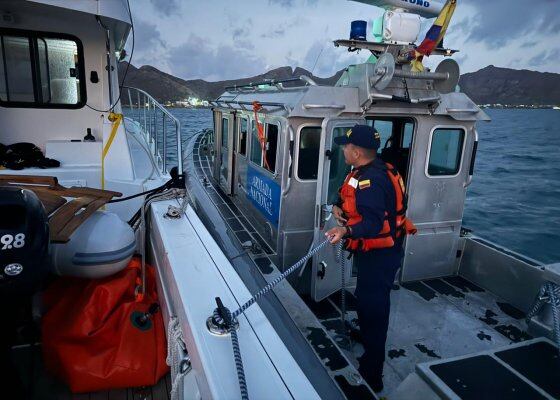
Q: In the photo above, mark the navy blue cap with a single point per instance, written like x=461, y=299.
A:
x=362, y=136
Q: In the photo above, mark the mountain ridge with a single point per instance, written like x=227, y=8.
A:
x=489, y=85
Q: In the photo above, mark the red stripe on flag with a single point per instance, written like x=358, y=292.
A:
x=427, y=47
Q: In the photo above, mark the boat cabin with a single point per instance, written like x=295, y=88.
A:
x=287, y=184
x=59, y=88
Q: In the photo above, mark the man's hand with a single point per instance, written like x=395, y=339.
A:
x=336, y=234
x=339, y=215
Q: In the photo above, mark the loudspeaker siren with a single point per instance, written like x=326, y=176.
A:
x=451, y=68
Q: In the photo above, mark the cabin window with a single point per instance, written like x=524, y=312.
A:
x=271, y=147
x=408, y=130
x=385, y=129
x=308, y=153
x=225, y=128
x=256, y=149
x=338, y=169
x=42, y=70
x=446, y=151
x=243, y=131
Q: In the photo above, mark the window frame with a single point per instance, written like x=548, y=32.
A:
x=341, y=123
x=461, y=159
x=295, y=166
x=248, y=120
x=266, y=122
x=35, y=71
x=414, y=128
x=250, y=155
x=278, y=135
x=391, y=118
x=225, y=117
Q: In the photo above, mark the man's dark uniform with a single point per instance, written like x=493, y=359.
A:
x=376, y=267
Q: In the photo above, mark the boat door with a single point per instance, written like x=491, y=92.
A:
x=437, y=184
x=326, y=273
x=225, y=173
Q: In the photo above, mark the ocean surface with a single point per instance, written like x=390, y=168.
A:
x=514, y=199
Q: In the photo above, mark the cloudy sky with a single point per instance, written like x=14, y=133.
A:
x=228, y=39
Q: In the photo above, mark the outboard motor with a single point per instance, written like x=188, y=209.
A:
x=24, y=242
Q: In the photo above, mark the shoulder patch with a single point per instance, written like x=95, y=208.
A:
x=364, y=184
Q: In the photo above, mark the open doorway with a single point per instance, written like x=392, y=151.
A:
x=396, y=140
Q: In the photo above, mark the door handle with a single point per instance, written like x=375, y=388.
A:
x=324, y=209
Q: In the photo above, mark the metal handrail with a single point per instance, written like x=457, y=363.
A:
x=146, y=115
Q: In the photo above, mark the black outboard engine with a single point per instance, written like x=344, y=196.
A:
x=24, y=242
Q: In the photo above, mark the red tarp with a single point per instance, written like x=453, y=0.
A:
x=90, y=340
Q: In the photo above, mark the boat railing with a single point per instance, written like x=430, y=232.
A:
x=161, y=128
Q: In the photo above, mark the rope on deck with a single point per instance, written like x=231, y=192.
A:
x=549, y=294
x=224, y=318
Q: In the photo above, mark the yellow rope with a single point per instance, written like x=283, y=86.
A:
x=116, y=120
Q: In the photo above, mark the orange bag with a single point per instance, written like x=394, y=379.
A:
x=90, y=336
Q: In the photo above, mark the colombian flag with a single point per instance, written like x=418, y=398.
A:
x=433, y=37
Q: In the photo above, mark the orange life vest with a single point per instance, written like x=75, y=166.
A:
x=385, y=239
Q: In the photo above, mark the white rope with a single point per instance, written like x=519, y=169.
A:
x=176, y=356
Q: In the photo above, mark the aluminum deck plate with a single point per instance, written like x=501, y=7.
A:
x=525, y=370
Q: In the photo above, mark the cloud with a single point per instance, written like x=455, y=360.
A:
x=283, y=3
x=529, y=44
x=147, y=36
x=499, y=22
x=166, y=7
x=149, y=44
x=537, y=60
x=232, y=41
x=292, y=3
x=552, y=56
x=196, y=58
x=545, y=57
x=274, y=33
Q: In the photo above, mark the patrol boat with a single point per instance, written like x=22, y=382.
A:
x=469, y=318
x=238, y=213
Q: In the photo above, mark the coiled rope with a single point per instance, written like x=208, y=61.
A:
x=549, y=293
x=177, y=356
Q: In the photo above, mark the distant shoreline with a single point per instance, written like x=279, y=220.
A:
x=520, y=106
x=484, y=106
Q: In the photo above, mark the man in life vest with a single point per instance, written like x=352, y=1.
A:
x=371, y=215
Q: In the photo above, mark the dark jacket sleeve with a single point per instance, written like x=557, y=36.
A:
x=370, y=203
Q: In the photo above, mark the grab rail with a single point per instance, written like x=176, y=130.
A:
x=144, y=110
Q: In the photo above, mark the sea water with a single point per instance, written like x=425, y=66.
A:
x=514, y=199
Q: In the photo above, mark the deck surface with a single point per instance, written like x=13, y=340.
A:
x=431, y=319
x=434, y=319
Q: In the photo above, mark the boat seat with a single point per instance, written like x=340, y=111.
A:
x=64, y=216
x=398, y=158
